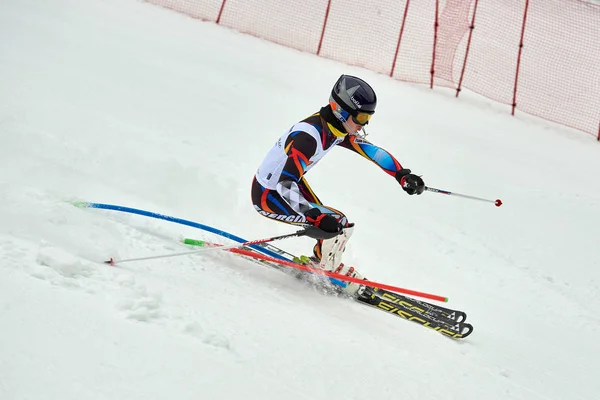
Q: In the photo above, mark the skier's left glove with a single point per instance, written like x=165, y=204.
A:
x=411, y=183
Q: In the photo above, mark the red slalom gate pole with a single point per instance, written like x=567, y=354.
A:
x=338, y=276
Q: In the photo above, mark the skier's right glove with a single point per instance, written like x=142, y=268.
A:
x=325, y=222
x=411, y=183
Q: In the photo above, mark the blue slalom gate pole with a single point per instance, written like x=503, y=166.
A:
x=130, y=210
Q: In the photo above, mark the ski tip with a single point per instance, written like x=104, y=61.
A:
x=445, y=299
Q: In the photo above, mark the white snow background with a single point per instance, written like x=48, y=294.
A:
x=126, y=103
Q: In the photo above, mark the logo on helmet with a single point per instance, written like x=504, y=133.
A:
x=356, y=103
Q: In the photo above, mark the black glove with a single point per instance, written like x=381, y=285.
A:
x=325, y=222
x=411, y=183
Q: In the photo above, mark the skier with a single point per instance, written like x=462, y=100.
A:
x=281, y=192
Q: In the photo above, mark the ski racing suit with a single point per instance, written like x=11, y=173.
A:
x=279, y=188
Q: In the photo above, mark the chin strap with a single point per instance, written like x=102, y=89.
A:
x=363, y=135
x=358, y=133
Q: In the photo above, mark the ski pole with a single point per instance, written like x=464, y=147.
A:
x=301, y=232
x=496, y=202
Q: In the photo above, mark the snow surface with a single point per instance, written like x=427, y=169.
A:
x=125, y=103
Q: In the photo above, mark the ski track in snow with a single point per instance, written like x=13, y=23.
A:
x=87, y=274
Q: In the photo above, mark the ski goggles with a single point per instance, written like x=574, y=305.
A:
x=360, y=118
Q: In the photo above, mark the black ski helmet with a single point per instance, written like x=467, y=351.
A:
x=351, y=96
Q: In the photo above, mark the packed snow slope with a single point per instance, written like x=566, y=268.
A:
x=125, y=103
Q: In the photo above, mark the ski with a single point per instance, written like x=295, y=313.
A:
x=455, y=316
x=406, y=309
x=445, y=320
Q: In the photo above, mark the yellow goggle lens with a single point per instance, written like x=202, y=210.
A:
x=362, y=118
